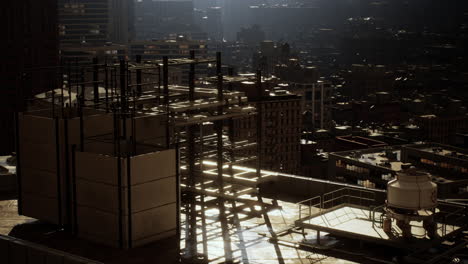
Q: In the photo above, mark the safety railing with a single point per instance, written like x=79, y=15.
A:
x=344, y=195
x=348, y=195
x=306, y=206
x=451, y=220
x=372, y=212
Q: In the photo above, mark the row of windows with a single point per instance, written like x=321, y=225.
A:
x=444, y=165
x=351, y=167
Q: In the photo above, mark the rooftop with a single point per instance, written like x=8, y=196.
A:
x=257, y=229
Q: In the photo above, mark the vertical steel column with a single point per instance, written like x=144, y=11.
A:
x=166, y=79
x=53, y=104
x=80, y=113
x=95, y=81
x=69, y=84
x=259, y=125
x=123, y=98
x=219, y=123
x=83, y=88
x=230, y=73
x=232, y=143
x=219, y=134
x=58, y=172
x=166, y=96
x=75, y=203
x=123, y=84
x=129, y=202
x=18, y=164
x=61, y=82
x=106, y=85
x=67, y=177
x=192, y=77
x=321, y=105
x=313, y=106
x=192, y=232
x=202, y=196
x=138, y=76
x=159, y=83
x=178, y=199
x=119, y=184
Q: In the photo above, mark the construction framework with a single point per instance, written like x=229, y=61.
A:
x=196, y=122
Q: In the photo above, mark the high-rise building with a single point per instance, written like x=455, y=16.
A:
x=90, y=24
x=159, y=19
x=84, y=21
x=31, y=42
x=235, y=16
x=94, y=21
x=214, y=26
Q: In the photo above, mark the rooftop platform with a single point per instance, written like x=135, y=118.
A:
x=356, y=222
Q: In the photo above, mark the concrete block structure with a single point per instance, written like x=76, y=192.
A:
x=120, y=197
x=44, y=160
x=126, y=201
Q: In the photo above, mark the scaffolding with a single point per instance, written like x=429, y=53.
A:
x=143, y=113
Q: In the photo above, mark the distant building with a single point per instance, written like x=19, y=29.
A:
x=251, y=35
x=86, y=53
x=363, y=80
x=179, y=48
x=442, y=129
x=269, y=55
x=316, y=94
x=93, y=21
x=281, y=121
x=94, y=28
x=315, y=147
x=159, y=19
x=213, y=23
x=235, y=16
x=376, y=166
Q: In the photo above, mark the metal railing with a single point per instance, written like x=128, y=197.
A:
x=373, y=211
x=305, y=206
x=344, y=195
x=453, y=219
x=348, y=195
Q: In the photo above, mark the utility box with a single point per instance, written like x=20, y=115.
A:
x=126, y=201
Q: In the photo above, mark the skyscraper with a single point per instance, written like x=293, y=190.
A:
x=158, y=19
x=88, y=27
x=93, y=21
x=235, y=16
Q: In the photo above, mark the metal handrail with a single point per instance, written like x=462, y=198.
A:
x=348, y=195
x=309, y=203
x=443, y=227
x=322, y=202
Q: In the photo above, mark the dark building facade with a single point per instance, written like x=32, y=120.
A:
x=31, y=42
x=158, y=19
x=281, y=122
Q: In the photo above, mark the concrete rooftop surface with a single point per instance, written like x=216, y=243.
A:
x=251, y=241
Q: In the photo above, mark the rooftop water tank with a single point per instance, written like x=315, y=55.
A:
x=412, y=190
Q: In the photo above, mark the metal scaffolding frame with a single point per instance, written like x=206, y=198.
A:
x=198, y=123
